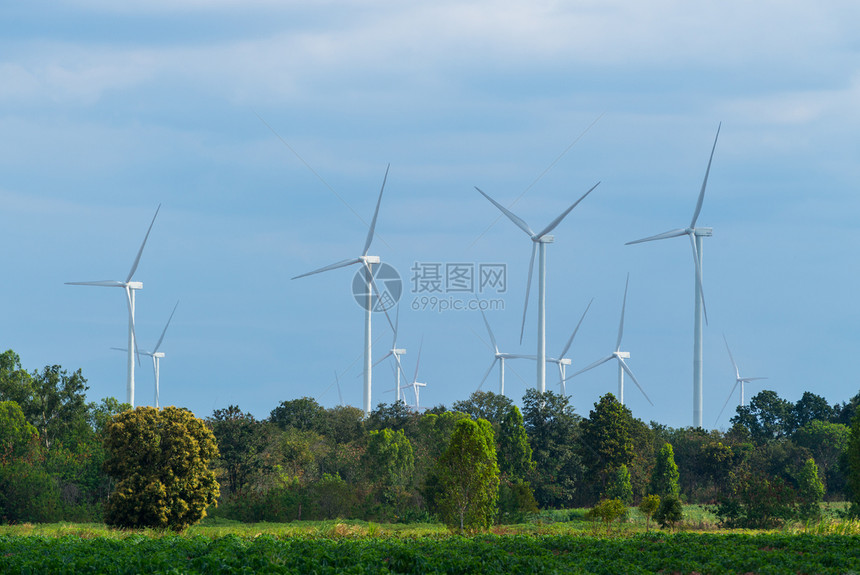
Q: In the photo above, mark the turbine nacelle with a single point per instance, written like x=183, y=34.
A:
x=370, y=259
x=544, y=239
x=622, y=354
x=134, y=285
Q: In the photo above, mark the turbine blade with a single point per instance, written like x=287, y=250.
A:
x=663, y=236
x=699, y=285
x=334, y=266
x=557, y=221
x=400, y=367
x=727, y=402
x=528, y=289
x=160, y=339
x=734, y=365
x=102, y=283
x=573, y=335
x=633, y=377
x=749, y=379
x=621, y=323
x=486, y=375
x=519, y=356
x=140, y=251
x=370, y=232
x=511, y=216
x=120, y=349
x=375, y=289
x=489, y=331
x=418, y=361
x=396, y=325
x=705, y=182
x=592, y=366
x=381, y=359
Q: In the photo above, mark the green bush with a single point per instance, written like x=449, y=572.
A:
x=670, y=512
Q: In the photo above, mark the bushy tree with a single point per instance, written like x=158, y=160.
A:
x=240, y=441
x=468, y=477
x=304, y=414
x=810, y=491
x=852, y=460
x=606, y=443
x=485, y=405
x=160, y=460
x=389, y=462
x=619, y=486
x=515, y=453
x=648, y=507
x=826, y=442
x=607, y=511
x=670, y=512
x=767, y=417
x=664, y=481
x=16, y=435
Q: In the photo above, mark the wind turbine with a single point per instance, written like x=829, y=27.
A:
x=368, y=262
x=695, y=234
x=499, y=356
x=738, y=381
x=620, y=356
x=396, y=352
x=129, y=287
x=416, y=385
x=562, y=361
x=155, y=354
x=541, y=238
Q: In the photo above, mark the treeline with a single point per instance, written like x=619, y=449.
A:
x=305, y=461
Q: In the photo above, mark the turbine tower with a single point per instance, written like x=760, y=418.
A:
x=498, y=356
x=738, y=381
x=562, y=361
x=540, y=240
x=695, y=234
x=130, y=287
x=395, y=352
x=620, y=356
x=367, y=262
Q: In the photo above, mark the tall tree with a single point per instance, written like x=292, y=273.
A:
x=240, y=442
x=468, y=477
x=515, y=453
x=485, y=405
x=303, y=414
x=767, y=417
x=852, y=460
x=606, y=443
x=389, y=462
x=664, y=481
x=16, y=435
x=810, y=407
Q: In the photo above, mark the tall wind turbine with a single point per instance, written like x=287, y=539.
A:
x=562, y=361
x=498, y=356
x=695, y=234
x=416, y=385
x=738, y=381
x=620, y=356
x=541, y=239
x=130, y=287
x=395, y=352
x=368, y=262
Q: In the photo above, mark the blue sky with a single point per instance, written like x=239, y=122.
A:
x=107, y=110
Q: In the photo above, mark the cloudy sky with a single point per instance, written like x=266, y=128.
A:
x=264, y=130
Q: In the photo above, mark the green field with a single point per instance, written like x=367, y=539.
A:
x=567, y=546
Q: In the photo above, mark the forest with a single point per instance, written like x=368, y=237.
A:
x=307, y=462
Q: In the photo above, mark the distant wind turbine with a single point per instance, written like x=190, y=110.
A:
x=129, y=287
x=368, y=262
x=620, y=356
x=416, y=385
x=695, y=234
x=395, y=352
x=541, y=238
x=738, y=381
x=562, y=361
x=498, y=356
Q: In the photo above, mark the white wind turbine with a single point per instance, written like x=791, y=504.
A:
x=695, y=234
x=541, y=238
x=498, y=356
x=620, y=356
x=129, y=287
x=738, y=381
x=368, y=262
x=562, y=361
x=416, y=385
x=395, y=352
x=155, y=354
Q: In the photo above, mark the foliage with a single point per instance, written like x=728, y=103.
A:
x=648, y=507
x=515, y=453
x=619, y=486
x=395, y=416
x=389, y=462
x=303, y=414
x=607, y=511
x=606, y=443
x=28, y=493
x=99, y=414
x=826, y=442
x=468, y=477
x=810, y=491
x=810, y=407
x=852, y=461
x=670, y=512
x=757, y=502
x=240, y=444
x=160, y=460
x=766, y=417
x=485, y=405
x=516, y=501
x=16, y=435
x=664, y=481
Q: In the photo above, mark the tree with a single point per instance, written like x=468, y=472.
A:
x=389, y=462
x=648, y=507
x=16, y=435
x=810, y=491
x=810, y=407
x=852, y=460
x=826, y=442
x=468, y=477
x=304, y=414
x=515, y=453
x=160, y=460
x=608, y=510
x=619, y=486
x=664, y=481
x=552, y=431
x=240, y=444
x=485, y=405
x=606, y=444
x=99, y=414
x=670, y=512
x=766, y=417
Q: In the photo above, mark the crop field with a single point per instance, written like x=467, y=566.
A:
x=346, y=549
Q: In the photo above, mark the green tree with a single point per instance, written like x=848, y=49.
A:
x=304, y=414
x=389, y=462
x=606, y=443
x=16, y=435
x=515, y=453
x=810, y=491
x=620, y=487
x=240, y=441
x=852, y=460
x=160, y=460
x=485, y=405
x=648, y=507
x=810, y=407
x=607, y=511
x=664, y=481
x=767, y=417
x=826, y=442
x=99, y=414
x=670, y=512
x=468, y=477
